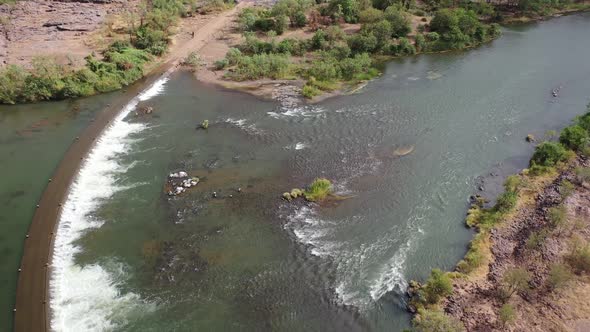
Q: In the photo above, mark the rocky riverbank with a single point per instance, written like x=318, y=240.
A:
x=534, y=276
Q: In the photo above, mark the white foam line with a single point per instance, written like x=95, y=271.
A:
x=88, y=297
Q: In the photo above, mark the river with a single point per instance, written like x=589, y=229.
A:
x=128, y=257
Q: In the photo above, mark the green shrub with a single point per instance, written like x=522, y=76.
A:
x=258, y=66
x=506, y=202
x=310, y=91
x=574, y=137
x=403, y=48
x=294, y=10
x=558, y=216
x=435, y=321
x=536, y=239
x=340, y=52
x=537, y=170
x=233, y=56
x=419, y=12
x=347, y=9
x=319, y=189
x=221, y=64
x=12, y=83
x=364, y=42
x=459, y=28
x=474, y=257
x=299, y=20
x=351, y=67
x=421, y=44
x=582, y=174
x=400, y=21
x=584, y=120
x=512, y=183
x=432, y=36
x=507, y=314
x=247, y=18
x=548, y=154
x=324, y=69
x=579, y=258
x=319, y=40
x=515, y=280
x=437, y=286
x=370, y=15
x=381, y=30
x=193, y=60
x=334, y=34
x=566, y=189
x=559, y=276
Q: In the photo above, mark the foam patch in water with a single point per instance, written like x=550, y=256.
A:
x=303, y=112
x=366, y=271
x=88, y=297
x=242, y=124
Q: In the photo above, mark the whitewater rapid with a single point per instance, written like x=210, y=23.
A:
x=88, y=297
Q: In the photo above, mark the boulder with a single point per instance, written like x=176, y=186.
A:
x=530, y=138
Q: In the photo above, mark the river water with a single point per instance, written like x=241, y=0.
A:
x=128, y=257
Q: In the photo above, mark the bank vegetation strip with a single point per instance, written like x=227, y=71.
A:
x=528, y=247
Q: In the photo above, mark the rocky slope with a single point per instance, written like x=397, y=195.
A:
x=59, y=28
x=476, y=301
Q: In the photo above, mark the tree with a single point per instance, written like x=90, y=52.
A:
x=349, y=9
x=362, y=43
x=437, y=286
x=574, y=137
x=444, y=21
x=400, y=21
x=381, y=30
x=370, y=15
x=548, y=154
x=515, y=280
x=293, y=9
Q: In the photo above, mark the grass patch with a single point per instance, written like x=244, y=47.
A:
x=319, y=189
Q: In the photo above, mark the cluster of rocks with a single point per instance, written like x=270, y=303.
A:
x=180, y=182
x=288, y=95
x=294, y=193
x=145, y=110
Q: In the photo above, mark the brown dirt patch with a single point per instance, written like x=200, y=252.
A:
x=66, y=30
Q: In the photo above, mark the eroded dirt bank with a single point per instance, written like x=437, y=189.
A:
x=529, y=239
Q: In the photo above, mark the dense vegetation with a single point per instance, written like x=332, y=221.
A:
x=120, y=64
x=331, y=55
x=547, y=157
x=318, y=190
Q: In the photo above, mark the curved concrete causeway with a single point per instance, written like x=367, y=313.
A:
x=32, y=296
x=32, y=311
